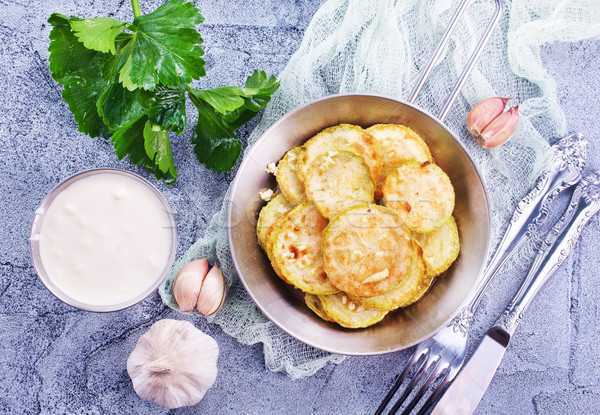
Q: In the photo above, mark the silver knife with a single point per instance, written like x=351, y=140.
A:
x=469, y=386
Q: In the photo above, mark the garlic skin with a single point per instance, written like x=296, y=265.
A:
x=500, y=129
x=188, y=283
x=489, y=124
x=212, y=293
x=484, y=112
x=173, y=364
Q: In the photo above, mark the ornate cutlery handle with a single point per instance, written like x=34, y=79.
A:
x=564, y=170
x=556, y=247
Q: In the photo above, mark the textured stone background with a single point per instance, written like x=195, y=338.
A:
x=55, y=359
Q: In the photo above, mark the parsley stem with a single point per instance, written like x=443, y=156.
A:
x=135, y=5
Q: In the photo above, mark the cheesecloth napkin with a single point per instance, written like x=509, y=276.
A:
x=380, y=46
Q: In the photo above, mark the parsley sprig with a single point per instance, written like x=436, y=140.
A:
x=129, y=82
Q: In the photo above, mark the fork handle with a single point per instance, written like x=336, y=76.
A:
x=564, y=170
x=585, y=203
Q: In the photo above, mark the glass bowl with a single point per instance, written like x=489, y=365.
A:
x=43, y=274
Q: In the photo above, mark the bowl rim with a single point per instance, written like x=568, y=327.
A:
x=236, y=183
x=36, y=226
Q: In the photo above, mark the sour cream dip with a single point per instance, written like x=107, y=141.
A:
x=103, y=239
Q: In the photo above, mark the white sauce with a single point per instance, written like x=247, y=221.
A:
x=105, y=239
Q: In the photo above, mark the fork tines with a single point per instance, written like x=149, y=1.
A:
x=428, y=366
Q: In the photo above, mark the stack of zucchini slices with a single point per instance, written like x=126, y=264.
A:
x=324, y=233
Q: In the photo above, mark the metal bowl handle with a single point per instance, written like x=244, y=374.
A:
x=470, y=65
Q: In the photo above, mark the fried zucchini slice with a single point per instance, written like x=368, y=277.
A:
x=407, y=292
x=341, y=137
x=399, y=144
x=313, y=302
x=421, y=194
x=269, y=245
x=276, y=207
x=337, y=181
x=287, y=177
x=297, y=250
x=423, y=288
x=342, y=310
x=367, y=250
x=440, y=247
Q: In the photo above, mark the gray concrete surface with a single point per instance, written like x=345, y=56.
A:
x=55, y=359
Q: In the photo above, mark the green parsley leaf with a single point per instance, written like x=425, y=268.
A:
x=118, y=106
x=99, y=33
x=81, y=72
x=223, y=100
x=166, y=107
x=261, y=88
x=253, y=97
x=130, y=140
x=221, y=111
x=215, y=143
x=165, y=48
x=158, y=148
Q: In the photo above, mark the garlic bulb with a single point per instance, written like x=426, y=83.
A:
x=212, y=294
x=195, y=288
x=188, y=283
x=173, y=364
x=489, y=124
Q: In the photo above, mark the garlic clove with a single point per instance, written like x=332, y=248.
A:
x=500, y=129
x=173, y=364
x=484, y=113
x=212, y=293
x=188, y=284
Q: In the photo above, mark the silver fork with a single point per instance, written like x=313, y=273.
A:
x=444, y=354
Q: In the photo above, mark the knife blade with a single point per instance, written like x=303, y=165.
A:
x=469, y=386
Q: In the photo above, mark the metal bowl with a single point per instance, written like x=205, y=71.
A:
x=284, y=305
